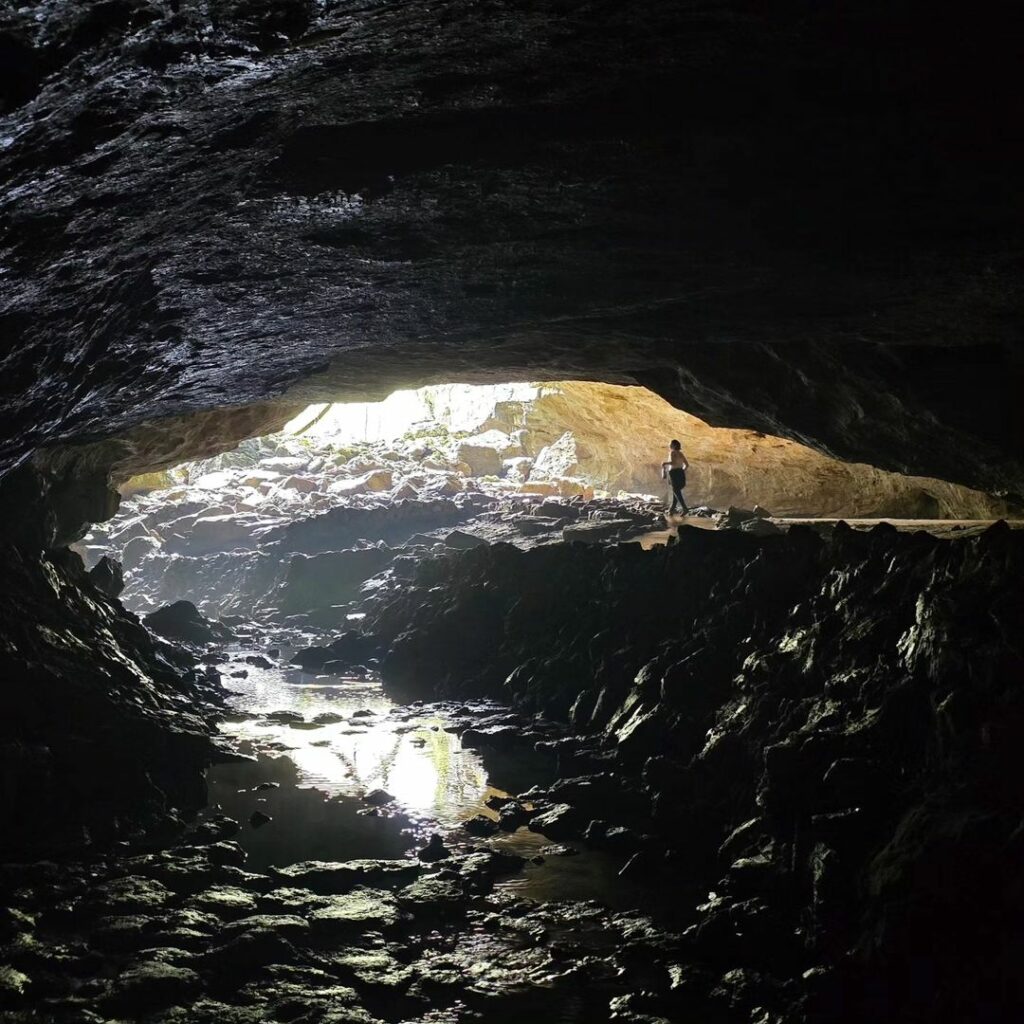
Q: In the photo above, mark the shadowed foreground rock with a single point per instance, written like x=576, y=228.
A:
x=825, y=730
x=105, y=727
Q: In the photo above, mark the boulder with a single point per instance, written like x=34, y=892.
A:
x=370, y=483
x=301, y=484
x=283, y=464
x=517, y=470
x=484, y=452
x=108, y=575
x=334, y=577
x=558, y=459
x=183, y=621
x=136, y=550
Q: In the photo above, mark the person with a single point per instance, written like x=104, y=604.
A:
x=676, y=468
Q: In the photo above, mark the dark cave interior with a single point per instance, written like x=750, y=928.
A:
x=453, y=722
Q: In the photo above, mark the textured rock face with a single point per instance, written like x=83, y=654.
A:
x=618, y=438
x=796, y=221
x=825, y=732
x=104, y=725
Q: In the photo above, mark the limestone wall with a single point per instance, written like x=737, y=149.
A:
x=622, y=433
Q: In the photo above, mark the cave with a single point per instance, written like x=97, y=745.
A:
x=356, y=669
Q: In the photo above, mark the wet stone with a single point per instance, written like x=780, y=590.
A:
x=133, y=894
x=338, y=877
x=562, y=821
x=361, y=910
x=227, y=902
x=434, y=850
x=151, y=986
x=283, y=716
x=480, y=825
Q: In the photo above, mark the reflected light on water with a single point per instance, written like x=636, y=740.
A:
x=421, y=765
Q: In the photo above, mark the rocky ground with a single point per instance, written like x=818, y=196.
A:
x=804, y=743
x=186, y=934
x=279, y=526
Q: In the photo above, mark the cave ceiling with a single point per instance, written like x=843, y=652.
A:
x=798, y=218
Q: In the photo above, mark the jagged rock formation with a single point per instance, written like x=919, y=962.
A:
x=105, y=728
x=795, y=221
x=826, y=730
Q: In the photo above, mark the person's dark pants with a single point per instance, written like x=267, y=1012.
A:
x=677, y=477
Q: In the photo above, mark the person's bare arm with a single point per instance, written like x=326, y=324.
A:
x=686, y=463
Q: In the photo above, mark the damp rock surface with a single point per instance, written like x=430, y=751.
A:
x=227, y=211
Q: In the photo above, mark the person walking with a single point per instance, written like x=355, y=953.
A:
x=675, y=469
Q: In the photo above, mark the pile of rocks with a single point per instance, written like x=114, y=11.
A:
x=279, y=529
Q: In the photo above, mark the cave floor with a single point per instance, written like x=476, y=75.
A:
x=350, y=868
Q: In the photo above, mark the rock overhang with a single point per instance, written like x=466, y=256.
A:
x=742, y=211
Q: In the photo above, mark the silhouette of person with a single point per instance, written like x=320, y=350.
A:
x=676, y=468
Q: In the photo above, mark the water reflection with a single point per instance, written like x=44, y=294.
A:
x=364, y=743
x=352, y=739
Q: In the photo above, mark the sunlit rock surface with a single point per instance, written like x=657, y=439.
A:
x=619, y=438
x=791, y=221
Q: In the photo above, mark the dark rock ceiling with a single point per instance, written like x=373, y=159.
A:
x=798, y=217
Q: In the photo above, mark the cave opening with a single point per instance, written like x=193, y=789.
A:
x=465, y=464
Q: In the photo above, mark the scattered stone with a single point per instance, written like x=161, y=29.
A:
x=182, y=621
x=358, y=911
x=434, y=850
x=151, y=986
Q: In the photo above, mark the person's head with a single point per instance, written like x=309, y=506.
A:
x=675, y=446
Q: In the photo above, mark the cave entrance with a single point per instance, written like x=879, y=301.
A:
x=457, y=465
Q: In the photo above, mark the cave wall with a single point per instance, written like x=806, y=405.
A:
x=823, y=732
x=620, y=438
x=106, y=728
x=796, y=219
